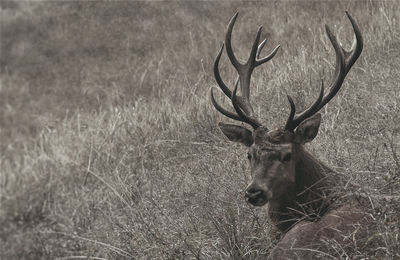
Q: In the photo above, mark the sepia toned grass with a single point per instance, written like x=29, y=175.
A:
x=110, y=147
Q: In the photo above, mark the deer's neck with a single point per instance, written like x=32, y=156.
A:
x=308, y=198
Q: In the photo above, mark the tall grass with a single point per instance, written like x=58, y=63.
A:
x=110, y=147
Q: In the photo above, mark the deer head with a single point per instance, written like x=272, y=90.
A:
x=277, y=156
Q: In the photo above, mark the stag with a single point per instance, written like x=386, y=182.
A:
x=295, y=184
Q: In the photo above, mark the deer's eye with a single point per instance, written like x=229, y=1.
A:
x=287, y=157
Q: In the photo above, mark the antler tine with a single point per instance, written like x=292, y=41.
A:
x=292, y=112
x=292, y=123
x=357, y=46
x=228, y=42
x=223, y=110
x=261, y=46
x=218, y=78
x=344, y=62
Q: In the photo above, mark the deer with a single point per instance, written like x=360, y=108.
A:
x=295, y=185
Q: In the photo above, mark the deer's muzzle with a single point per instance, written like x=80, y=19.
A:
x=256, y=197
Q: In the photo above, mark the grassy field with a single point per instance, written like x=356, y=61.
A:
x=109, y=146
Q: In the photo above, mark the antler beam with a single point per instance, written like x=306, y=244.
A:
x=243, y=108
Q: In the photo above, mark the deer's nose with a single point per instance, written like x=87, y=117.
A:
x=256, y=196
x=253, y=193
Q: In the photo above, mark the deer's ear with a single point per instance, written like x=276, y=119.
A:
x=237, y=133
x=308, y=129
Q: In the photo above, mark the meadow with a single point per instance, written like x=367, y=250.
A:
x=109, y=144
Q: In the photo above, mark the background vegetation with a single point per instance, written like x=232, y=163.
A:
x=110, y=148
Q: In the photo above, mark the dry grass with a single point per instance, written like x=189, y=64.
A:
x=109, y=145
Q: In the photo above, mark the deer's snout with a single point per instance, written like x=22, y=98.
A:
x=253, y=193
x=256, y=196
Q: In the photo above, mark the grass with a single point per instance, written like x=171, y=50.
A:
x=110, y=147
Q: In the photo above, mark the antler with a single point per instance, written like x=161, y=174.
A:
x=344, y=62
x=241, y=104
